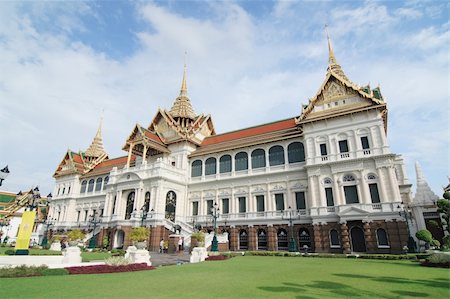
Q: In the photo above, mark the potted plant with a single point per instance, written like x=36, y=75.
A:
x=198, y=239
x=139, y=236
x=75, y=236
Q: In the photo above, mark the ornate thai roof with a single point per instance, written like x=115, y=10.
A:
x=182, y=108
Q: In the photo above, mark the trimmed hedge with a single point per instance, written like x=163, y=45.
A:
x=216, y=258
x=340, y=255
x=96, y=269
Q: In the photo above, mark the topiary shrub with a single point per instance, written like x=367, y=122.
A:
x=76, y=234
x=117, y=261
x=424, y=235
x=10, y=252
x=139, y=234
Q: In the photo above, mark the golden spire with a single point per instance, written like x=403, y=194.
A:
x=333, y=66
x=96, y=148
x=182, y=107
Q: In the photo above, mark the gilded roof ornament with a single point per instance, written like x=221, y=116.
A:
x=182, y=108
x=96, y=148
x=333, y=66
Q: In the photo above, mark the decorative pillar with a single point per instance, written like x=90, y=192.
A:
x=271, y=238
x=394, y=184
x=382, y=185
x=234, y=238
x=130, y=150
x=338, y=200
x=345, y=239
x=312, y=192
x=144, y=155
x=365, y=191
x=318, y=244
x=252, y=238
x=370, y=246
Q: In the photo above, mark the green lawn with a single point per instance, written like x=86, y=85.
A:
x=248, y=277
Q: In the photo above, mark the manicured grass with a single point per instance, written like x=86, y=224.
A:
x=33, y=251
x=248, y=277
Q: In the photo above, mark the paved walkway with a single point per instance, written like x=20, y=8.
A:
x=164, y=259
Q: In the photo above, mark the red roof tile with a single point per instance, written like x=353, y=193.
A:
x=152, y=136
x=249, y=132
x=114, y=162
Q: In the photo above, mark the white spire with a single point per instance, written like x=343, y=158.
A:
x=424, y=193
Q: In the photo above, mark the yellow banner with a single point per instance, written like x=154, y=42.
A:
x=25, y=230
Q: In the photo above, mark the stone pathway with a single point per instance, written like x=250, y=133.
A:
x=164, y=259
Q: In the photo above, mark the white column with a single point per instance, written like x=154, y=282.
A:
x=144, y=155
x=382, y=186
x=382, y=136
x=338, y=199
x=365, y=192
x=312, y=192
x=322, y=196
x=394, y=184
x=130, y=150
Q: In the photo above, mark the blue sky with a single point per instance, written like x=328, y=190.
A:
x=249, y=62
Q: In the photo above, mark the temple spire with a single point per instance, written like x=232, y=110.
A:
x=96, y=148
x=333, y=66
x=182, y=108
x=424, y=194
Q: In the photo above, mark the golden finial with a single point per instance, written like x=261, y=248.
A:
x=331, y=58
x=183, y=91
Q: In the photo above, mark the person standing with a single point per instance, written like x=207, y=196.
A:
x=161, y=246
x=180, y=245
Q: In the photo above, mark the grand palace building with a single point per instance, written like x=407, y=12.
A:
x=326, y=177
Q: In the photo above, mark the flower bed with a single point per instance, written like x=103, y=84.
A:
x=96, y=269
x=216, y=258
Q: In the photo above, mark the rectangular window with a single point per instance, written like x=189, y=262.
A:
x=78, y=216
x=300, y=200
x=343, y=146
x=351, y=194
x=242, y=205
x=260, y=203
x=194, y=208
x=225, y=206
x=85, y=215
x=279, y=201
x=209, y=205
x=364, y=142
x=323, y=149
x=374, y=195
x=329, y=196
x=114, y=205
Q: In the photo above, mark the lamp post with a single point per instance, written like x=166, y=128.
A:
x=215, y=214
x=144, y=214
x=405, y=212
x=4, y=172
x=49, y=222
x=94, y=220
x=291, y=213
x=33, y=199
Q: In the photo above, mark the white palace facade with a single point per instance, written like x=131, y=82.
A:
x=329, y=170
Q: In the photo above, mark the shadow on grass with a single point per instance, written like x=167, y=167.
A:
x=411, y=294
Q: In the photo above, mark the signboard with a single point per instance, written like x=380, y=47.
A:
x=25, y=230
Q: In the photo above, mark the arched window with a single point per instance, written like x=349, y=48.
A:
x=282, y=239
x=91, y=185
x=304, y=239
x=348, y=178
x=276, y=155
x=130, y=205
x=98, y=184
x=241, y=161
x=334, y=238
x=262, y=239
x=171, y=203
x=296, y=152
x=105, y=182
x=243, y=240
x=258, y=158
x=83, y=186
x=225, y=163
x=210, y=166
x=382, y=238
x=196, y=168
x=147, y=202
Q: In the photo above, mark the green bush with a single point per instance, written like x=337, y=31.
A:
x=117, y=261
x=139, y=234
x=10, y=252
x=439, y=258
x=199, y=236
x=51, y=272
x=435, y=243
x=76, y=234
x=22, y=271
x=424, y=235
x=117, y=252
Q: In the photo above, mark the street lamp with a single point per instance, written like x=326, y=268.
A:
x=405, y=212
x=94, y=220
x=291, y=213
x=3, y=174
x=215, y=214
x=49, y=222
x=33, y=199
x=144, y=214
